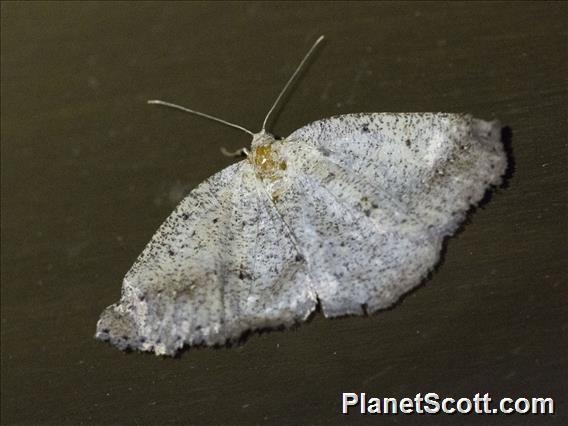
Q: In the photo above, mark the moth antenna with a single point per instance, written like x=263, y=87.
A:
x=201, y=114
x=306, y=57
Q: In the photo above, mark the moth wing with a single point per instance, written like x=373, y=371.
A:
x=369, y=213
x=222, y=263
x=435, y=165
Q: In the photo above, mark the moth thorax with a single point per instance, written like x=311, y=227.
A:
x=268, y=163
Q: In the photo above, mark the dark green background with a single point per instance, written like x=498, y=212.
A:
x=89, y=172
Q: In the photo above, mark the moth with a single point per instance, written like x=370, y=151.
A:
x=348, y=213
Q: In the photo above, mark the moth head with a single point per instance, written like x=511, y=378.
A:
x=262, y=138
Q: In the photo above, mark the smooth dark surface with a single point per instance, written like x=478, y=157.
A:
x=89, y=172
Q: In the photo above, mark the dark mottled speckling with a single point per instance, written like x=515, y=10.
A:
x=349, y=210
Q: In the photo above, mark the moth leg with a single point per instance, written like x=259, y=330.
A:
x=237, y=153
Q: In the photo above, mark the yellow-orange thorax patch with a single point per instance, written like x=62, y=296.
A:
x=267, y=163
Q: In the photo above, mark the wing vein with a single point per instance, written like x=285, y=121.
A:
x=401, y=209
x=350, y=209
x=291, y=233
x=254, y=250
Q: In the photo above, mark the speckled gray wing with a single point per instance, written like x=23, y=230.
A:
x=221, y=264
x=372, y=196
